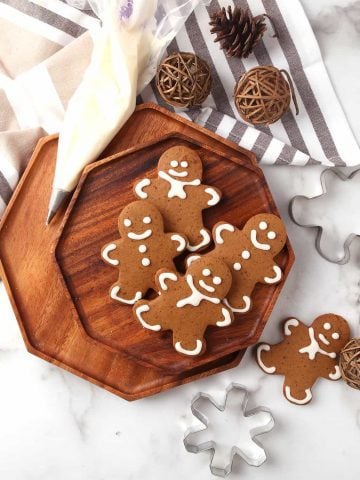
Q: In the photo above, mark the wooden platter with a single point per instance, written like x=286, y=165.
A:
x=51, y=293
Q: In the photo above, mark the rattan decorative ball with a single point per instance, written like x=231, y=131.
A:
x=183, y=80
x=350, y=363
x=263, y=95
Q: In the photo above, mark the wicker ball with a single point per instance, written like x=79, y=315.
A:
x=350, y=363
x=263, y=94
x=183, y=80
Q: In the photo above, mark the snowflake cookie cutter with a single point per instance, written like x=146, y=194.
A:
x=338, y=241
x=258, y=421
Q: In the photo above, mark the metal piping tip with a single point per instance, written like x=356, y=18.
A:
x=57, y=198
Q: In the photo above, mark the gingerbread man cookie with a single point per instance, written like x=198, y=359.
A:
x=180, y=196
x=188, y=304
x=249, y=253
x=305, y=354
x=143, y=249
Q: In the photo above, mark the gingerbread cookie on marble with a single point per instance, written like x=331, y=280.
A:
x=179, y=194
x=188, y=304
x=141, y=251
x=249, y=253
x=305, y=354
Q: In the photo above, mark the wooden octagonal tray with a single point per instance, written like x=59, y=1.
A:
x=90, y=222
x=45, y=310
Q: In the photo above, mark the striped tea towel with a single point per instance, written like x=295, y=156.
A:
x=44, y=50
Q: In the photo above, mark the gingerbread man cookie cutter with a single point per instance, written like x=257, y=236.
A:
x=337, y=201
x=229, y=440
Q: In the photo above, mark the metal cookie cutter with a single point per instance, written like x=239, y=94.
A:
x=229, y=429
x=335, y=213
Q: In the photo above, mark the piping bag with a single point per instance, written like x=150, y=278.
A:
x=127, y=48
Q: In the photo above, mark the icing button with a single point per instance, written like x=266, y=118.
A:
x=245, y=254
x=145, y=262
x=142, y=249
x=237, y=266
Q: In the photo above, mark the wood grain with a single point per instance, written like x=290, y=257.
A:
x=46, y=312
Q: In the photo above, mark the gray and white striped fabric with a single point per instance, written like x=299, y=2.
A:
x=45, y=48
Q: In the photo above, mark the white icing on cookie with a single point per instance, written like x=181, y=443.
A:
x=140, y=186
x=217, y=281
x=215, y=197
x=313, y=348
x=271, y=235
x=184, y=164
x=142, y=248
x=206, y=240
x=227, y=318
x=181, y=241
x=247, y=303
x=206, y=272
x=206, y=287
x=276, y=278
x=177, y=186
x=145, y=261
x=335, y=375
x=174, y=173
x=114, y=295
x=196, y=297
x=196, y=350
x=302, y=401
x=327, y=326
x=292, y=322
x=166, y=276
x=259, y=351
x=174, y=163
x=245, y=254
x=192, y=259
x=221, y=228
x=140, y=236
x=324, y=340
x=105, y=254
x=263, y=225
x=237, y=266
x=127, y=222
x=147, y=220
x=335, y=336
x=139, y=311
x=258, y=245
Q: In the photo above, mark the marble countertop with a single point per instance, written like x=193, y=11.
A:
x=56, y=426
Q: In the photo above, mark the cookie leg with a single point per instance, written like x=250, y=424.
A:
x=241, y=306
x=125, y=294
x=143, y=312
x=198, y=241
x=263, y=362
x=190, y=347
x=299, y=395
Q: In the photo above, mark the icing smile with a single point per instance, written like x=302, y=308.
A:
x=256, y=243
x=324, y=339
x=206, y=287
x=140, y=236
x=174, y=173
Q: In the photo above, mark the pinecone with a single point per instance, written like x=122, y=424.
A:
x=237, y=31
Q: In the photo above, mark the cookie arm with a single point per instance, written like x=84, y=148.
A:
x=164, y=280
x=178, y=243
x=140, y=187
x=226, y=317
x=111, y=253
x=220, y=231
x=333, y=371
x=214, y=196
x=272, y=275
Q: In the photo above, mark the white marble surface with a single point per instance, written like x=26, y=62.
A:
x=55, y=426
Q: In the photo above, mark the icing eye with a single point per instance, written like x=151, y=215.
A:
x=127, y=222
x=271, y=235
x=206, y=272
x=335, y=336
x=217, y=281
x=184, y=164
x=327, y=326
x=237, y=266
x=174, y=163
x=263, y=225
x=147, y=220
x=245, y=254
